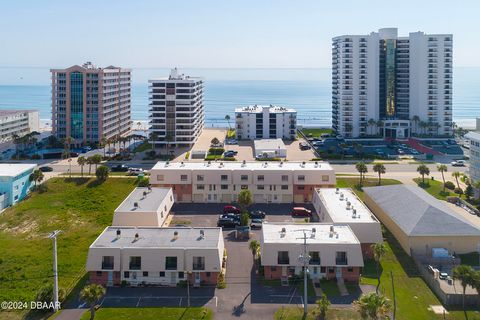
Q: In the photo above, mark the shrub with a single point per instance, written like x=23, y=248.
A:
x=182, y=284
x=187, y=155
x=221, y=284
x=444, y=193
x=450, y=185
x=458, y=191
x=216, y=151
x=144, y=182
x=45, y=294
x=123, y=284
x=102, y=173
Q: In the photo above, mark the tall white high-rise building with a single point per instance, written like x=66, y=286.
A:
x=176, y=109
x=392, y=86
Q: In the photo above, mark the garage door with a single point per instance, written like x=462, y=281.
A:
x=298, y=198
x=287, y=198
x=258, y=198
x=198, y=198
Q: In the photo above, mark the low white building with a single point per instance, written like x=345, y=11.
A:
x=342, y=206
x=158, y=256
x=265, y=122
x=270, y=148
x=334, y=250
x=17, y=123
x=144, y=207
x=474, y=169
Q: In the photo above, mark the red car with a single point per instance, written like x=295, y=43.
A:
x=301, y=212
x=231, y=209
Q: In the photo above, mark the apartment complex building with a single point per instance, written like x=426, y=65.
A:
x=90, y=103
x=333, y=251
x=176, y=110
x=144, y=207
x=474, y=152
x=265, y=122
x=14, y=182
x=269, y=182
x=342, y=206
x=403, y=84
x=157, y=256
x=17, y=123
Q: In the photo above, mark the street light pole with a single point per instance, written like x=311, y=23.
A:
x=305, y=258
x=53, y=236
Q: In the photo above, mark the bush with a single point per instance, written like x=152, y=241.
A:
x=444, y=193
x=458, y=191
x=221, y=284
x=144, y=182
x=182, y=284
x=450, y=185
x=123, y=284
x=45, y=294
x=268, y=159
x=216, y=151
x=102, y=173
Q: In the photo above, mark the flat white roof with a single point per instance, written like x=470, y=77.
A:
x=473, y=135
x=269, y=144
x=147, y=200
x=272, y=233
x=259, y=108
x=14, y=169
x=336, y=205
x=154, y=237
x=238, y=165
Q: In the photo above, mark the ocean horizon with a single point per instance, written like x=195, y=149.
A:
x=306, y=90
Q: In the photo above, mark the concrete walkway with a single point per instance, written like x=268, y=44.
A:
x=342, y=288
x=70, y=314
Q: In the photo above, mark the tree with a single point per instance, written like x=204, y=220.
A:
x=36, y=176
x=67, y=145
x=103, y=144
x=423, y=170
x=96, y=160
x=139, y=125
x=227, y=117
x=442, y=168
x=168, y=139
x=379, y=251
x=373, y=306
x=465, y=274
x=469, y=191
x=81, y=162
x=102, y=173
x=244, y=217
x=91, y=294
x=415, y=120
x=380, y=169
x=45, y=294
x=362, y=169
x=215, y=141
x=153, y=139
x=254, y=246
x=244, y=199
x=323, y=305
x=89, y=161
x=371, y=123
x=456, y=175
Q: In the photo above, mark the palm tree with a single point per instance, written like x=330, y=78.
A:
x=254, y=246
x=373, y=306
x=168, y=139
x=423, y=170
x=415, y=120
x=91, y=294
x=465, y=274
x=96, y=160
x=139, y=125
x=89, y=161
x=215, y=141
x=244, y=199
x=102, y=173
x=323, y=305
x=380, y=169
x=456, y=175
x=380, y=124
x=371, y=123
x=442, y=168
x=36, y=176
x=153, y=139
x=362, y=169
x=103, y=144
x=379, y=251
x=68, y=143
x=81, y=162
x=227, y=117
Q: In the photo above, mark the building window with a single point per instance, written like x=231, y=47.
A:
x=350, y=269
x=198, y=263
x=301, y=187
x=260, y=187
x=135, y=263
x=200, y=187
x=199, y=177
x=162, y=274
x=181, y=275
x=283, y=257
x=208, y=274
x=244, y=177
x=160, y=177
x=325, y=178
x=183, y=177
x=126, y=274
x=171, y=263
x=261, y=178
x=284, y=186
x=224, y=187
x=341, y=258
x=284, y=178
x=224, y=177
x=99, y=273
x=107, y=262
x=323, y=269
x=331, y=270
x=244, y=187
x=301, y=178
x=314, y=257
x=273, y=269
x=145, y=273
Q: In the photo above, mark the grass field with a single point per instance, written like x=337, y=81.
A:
x=435, y=188
x=351, y=182
x=144, y=146
x=81, y=208
x=194, y=313
x=316, y=132
x=296, y=313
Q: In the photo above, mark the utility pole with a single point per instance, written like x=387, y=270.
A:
x=53, y=236
x=305, y=259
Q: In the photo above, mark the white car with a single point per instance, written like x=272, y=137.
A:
x=135, y=171
x=458, y=163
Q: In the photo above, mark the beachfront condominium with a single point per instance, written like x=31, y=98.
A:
x=90, y=104
x=392, y=86
x=176, y=110
x=17, y=123
x=265, y=122
x=474, y=152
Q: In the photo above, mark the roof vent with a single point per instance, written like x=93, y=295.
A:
x=182, y=164
x=348, y=205
x=341, y=196
x=175, y=235
x=303, y=164
x=337, y=190
x=354, y=213
x=244, y=163
x=119, y=232
x=314, y=231
x=202, y=234
x=167, y=163
x=135, y=204
x=316, y=164
x=149, y=188
x=136, y=236
x=209, y=163
x=281, y=163
x=283, y=232
x=144, y=194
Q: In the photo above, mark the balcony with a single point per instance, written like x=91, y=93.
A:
x=199, y=266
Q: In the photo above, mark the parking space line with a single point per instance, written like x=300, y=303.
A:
x=180, y=303
x=138, y=303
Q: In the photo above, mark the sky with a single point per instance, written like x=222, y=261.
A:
x=216, y=34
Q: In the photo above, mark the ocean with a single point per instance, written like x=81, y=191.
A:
x=306, y=90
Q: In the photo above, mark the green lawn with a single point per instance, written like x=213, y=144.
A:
x=144, y=146
x=316, y=132
x=194, y=313
x=350, y=182
x=329, y=287
x=296, y=313
x=81, y=208
x=435, y=188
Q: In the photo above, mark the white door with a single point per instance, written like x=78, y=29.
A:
x=197, y=277
x=339, y=272
x=173, y=278
x=110, y=278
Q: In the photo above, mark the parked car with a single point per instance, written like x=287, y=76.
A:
x=229, y=154
x=46, y=169
x=231, y=141
x=232, y=151
x=231, y=209
x=304, y=146
x=120, y=168
x=256, y=224
x=301, y=212
x=227, y=222
x=317, y=143
x=325, y=135
x=135, y=171
x=458, y=163
x=233, y=216
x=443, y=276
x=257, y=214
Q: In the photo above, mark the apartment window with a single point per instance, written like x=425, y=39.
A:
x=183, y=177
x=260, y=187
x=284, y=186
x=162, y=274
x=135, y=263
x=200, y=187
x=181, y=275
x=350, y=269
x=208, y=274
x=323, y=269
x=261, y=178
x=331, y=270
x=199, y=177
x=244, y=187
x=171, y=263
x=145, y=273
x=107, y=262
x=283, y=257
x=99, y=273
x=198, y=263
x=314, y=257
x=341, y=258
x=160, y=177
x=126, y=274
x=301, y=187
x=224, y=187
x=273, y=269
x=244, y=177
x=224, y=177
x=325, y=178
x=301, y=178
x=284, y=178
